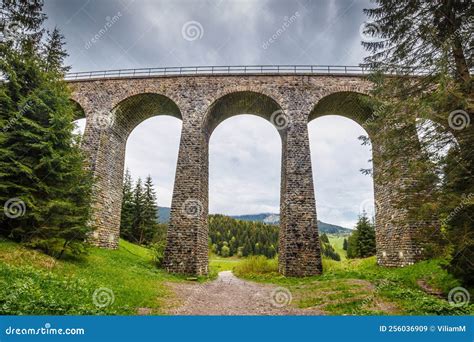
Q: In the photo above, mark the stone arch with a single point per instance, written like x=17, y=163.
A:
x=349, y=104
x=82, y=102
x=79, y=117
x=354, y=106
x=395, y=231
x=234, y=102
x=240, y=102
x=133, y=110
x=109, y=130
x=237, y=101
x=339, y=148
x=79, y=112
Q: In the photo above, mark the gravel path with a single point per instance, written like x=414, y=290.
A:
x=229, y=295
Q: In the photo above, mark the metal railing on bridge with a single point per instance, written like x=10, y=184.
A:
x=223, y=70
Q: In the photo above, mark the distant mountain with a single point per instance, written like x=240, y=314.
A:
x=275, y=219
x=333, y=229
x=270, y=218
x=163, y=214
x=259, y=217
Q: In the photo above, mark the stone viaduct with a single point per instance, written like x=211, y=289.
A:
x=114, y=103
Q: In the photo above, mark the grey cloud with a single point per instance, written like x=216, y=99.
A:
x=245, y=151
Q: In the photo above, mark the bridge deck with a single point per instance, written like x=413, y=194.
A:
x=238, y=70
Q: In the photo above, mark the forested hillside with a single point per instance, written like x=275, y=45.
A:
x=231, y=237
x=242, y=238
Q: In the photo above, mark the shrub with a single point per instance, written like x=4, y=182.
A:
x=256, y=265
x=158, y=252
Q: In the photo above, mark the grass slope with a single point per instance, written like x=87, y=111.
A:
x=337, y=242
x=33, y=283
x=360, y=287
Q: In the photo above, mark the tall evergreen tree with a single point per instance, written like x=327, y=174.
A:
x=149, y=213
x=139, y=217
x=127, y=213
x=45, y=188
x=433, y=38
x=54, y=53
x=21, y=24
x=361, y=243
x=366, y=236
x=137, y=222
x=324, y=238
x=353, y=250
x=412, y=35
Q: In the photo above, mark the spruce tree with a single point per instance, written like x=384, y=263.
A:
x=137, y=222
x=366, y=236
x=361, y=243
x=21, y=24
x=434, y=38
x=414, y=35
x=324, y=238
x=353, y=250
x=127, y=213
x=45, y=188
x=54, y=53
x=149, y=213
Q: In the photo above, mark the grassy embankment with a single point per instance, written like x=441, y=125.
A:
x=34, y=283
x=360, y=287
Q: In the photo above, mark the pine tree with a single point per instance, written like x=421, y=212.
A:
x=366, y=236
x=344, y=244
x=42, y=168
x=54, y=53
x=149, y=213
x=138, y=201
x=353, y=245
x=20, y=24
x=127, y=213
x=324, y=238
x=436, y=36
x=361, y=243
x=415, y=35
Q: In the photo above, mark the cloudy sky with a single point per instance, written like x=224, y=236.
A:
x=245, y=150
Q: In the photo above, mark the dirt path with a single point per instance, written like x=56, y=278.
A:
x=229, y=295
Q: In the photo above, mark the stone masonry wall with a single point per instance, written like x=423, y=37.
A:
x=113, y=107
